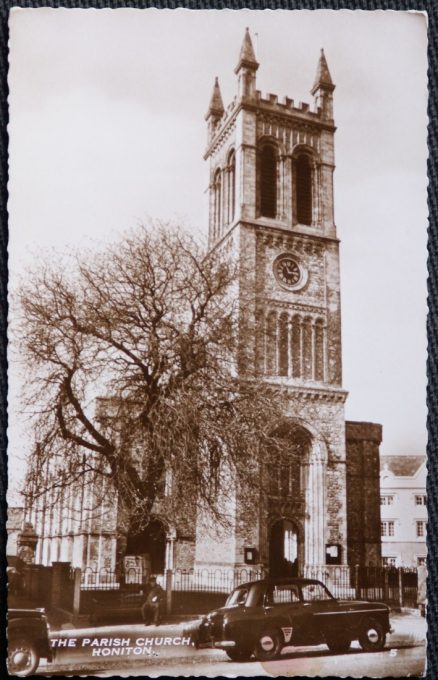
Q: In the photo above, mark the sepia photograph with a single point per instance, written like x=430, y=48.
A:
x=217, y=343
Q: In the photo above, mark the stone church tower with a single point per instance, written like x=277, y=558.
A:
x=271, y=205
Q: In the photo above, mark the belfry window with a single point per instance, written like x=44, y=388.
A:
x=268, y=181
x=303, y=188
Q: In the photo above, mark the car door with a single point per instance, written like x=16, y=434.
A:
x=322, y=612
x=282, y=607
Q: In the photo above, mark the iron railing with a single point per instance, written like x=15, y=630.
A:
x=106, y=579
x=213, y=580
x=395, y=586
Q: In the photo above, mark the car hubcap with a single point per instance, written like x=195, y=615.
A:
x=20, y=659
x=373, y=635
x=267, y=643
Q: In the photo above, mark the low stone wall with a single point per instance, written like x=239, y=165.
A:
x=107, y=601
x=184, y=602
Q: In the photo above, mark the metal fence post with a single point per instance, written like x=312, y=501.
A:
x=400, y=587
x=76, y=590
x=169, y=591
x=356, y=581
x=386, y=586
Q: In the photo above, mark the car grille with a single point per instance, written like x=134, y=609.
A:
x=217, y=626
x=212, y=628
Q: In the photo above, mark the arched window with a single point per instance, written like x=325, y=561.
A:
x=231, y=186
x=303, y=188
x=217, y=188
x=289, y=450
x=271, y=344
x=319, y=350
x=283, y=353
x=268, y=181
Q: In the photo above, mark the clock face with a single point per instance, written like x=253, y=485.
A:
x=287, y=271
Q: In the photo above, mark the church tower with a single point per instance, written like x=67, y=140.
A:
x=271, y=206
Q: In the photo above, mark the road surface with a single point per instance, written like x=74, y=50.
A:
x=156, y=651
x=310, y=662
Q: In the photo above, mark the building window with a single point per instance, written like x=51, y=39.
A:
x=303, y=188
x=283, y=482
x=421, y=528
x=231, y=186
x=421, y=561
x=268, y=181
x=389, y=561
x=217, y=213
x=421, y=499
x=386, y=500
x=387, y=528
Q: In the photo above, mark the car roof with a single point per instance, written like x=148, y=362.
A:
x=284, y=581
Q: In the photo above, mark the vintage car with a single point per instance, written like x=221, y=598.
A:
x=261, y=617
x=28, y=641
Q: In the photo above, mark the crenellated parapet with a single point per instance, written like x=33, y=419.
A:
x=280, y=115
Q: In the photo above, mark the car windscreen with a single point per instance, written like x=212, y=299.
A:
x=237, y=597
x=315, y=592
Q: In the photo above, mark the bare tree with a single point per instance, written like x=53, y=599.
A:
x=132, y=377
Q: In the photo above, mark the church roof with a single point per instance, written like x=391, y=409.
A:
x=402, y=466
x=247, y=54
x=323, y=76
x=216, y=107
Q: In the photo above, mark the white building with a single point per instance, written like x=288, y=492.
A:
x=403, y=510
x=14, y=525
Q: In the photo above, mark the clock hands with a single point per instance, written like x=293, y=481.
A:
x=288, y=271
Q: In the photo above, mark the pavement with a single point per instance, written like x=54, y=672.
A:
x=127, y=645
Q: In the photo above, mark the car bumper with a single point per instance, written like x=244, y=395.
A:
x=217, y=644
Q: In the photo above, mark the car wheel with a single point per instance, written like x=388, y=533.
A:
x=268, y=645
x=23, y=658
x=371, y=636
x=338, y=643
x=238, y=654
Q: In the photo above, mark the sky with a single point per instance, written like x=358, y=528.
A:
x=107, y=129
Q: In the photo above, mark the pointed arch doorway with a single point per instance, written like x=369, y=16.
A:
x=283, y=549
x=150, y=542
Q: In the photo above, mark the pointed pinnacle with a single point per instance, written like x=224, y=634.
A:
x=247, y=54
x=323, y=76
x=216, y=107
